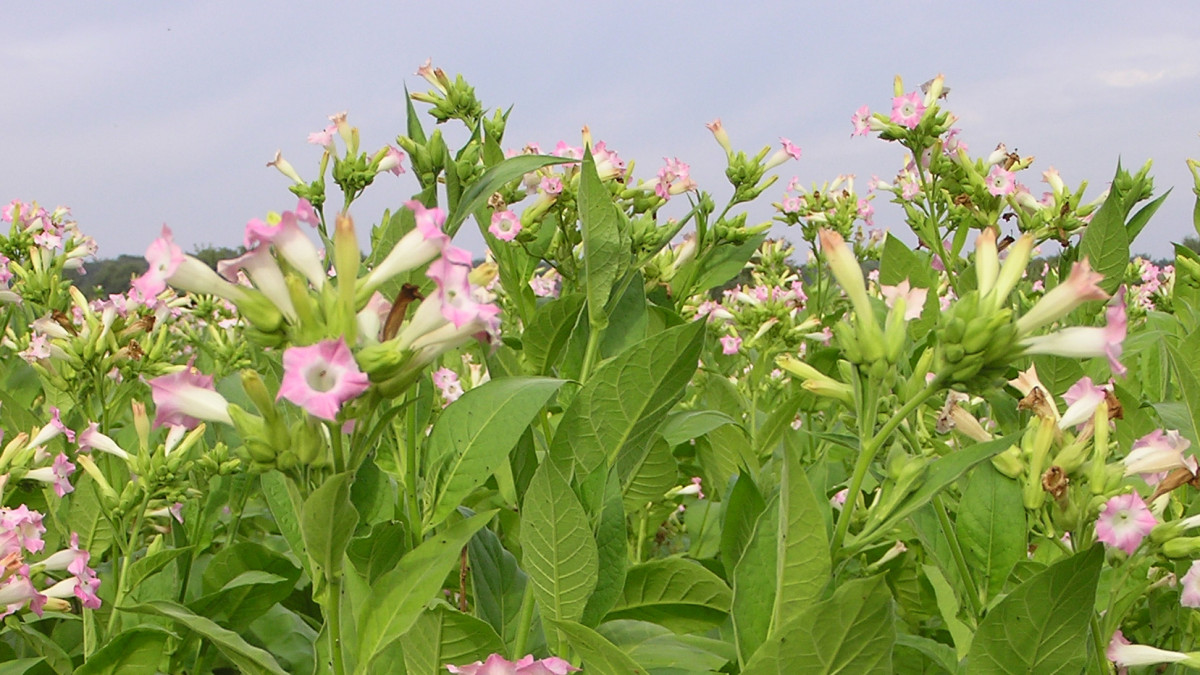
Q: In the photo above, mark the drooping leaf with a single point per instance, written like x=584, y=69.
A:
x=685, y=425
x=398, y=597
x=649, y=481
x=242, y=582
x=598, y=654
x=659, y=650
x=247, y=657
x=498, y=583
x=145, y=567
x=545, y=338
x=676, y=593
x=612, y=553
x=991, y=528
x=559, y=552
x=283, y=498
x=327, y=522
x=1042, y=626
x=605, y=250
x=474, y=435
x=743, y=506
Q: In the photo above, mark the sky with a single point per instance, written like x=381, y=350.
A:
x=142, y=114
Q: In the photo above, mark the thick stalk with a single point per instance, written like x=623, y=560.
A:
x=410, y=478
x=335, y=625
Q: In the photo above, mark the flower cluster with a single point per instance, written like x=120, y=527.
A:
x=498, y=665
x=21, y=531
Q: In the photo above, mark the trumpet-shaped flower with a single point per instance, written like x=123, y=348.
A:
x=861, y=120
x=847, y=272
x=263, y=270
x=284, y=233
x=1084, y=342
x=498, y=665
x=1124, y=522
x=1159, y=451
x=92, y=438
x=20, y=529
x=1000, y=181
x=185, y=397
x=1082, y=399
x=58, y=475
x=1125, y=655
x=730, y=344
x=321, y=377
x=1190, y=596
x=422, y=244
x=914, y=298
x=16, y=591
x=1080, y=287
x=505, y=225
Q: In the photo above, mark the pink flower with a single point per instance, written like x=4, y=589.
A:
x=498, y=665
x=289, y=240
x=92, y=438
x=1190, y=597
x=546, y=285
x=423, y=243
x=20, y=529
x=861, y=121
x=1082, y=399
x=914, y=298
x=164, y=258
x=1157, y=452
x=446, y=381
x=324, y=137
x=730, y=344
x=1124, y=522
x=505, y=225
x=1124, y=654
x=392, y=161
x=264, y=271
x=839, y=498
x=790, y=148
x=185, y=397
x=17, y=590
x=1083, y=342
x=321, y=377
x=551, y=185
x=908, y=109
x=1000, y=181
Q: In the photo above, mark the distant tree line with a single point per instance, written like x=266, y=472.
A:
x=111, y=276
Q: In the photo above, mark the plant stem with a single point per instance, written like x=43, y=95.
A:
x=335, y=625
x=410, y=478
x=960, y=561
x=867, y=455
x=524, y=621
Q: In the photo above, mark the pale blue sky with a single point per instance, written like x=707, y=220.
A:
x=139, y=114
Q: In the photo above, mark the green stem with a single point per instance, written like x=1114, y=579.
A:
x=524, y=621
x=339, y=461
x=589, y=356
x=335, y=625
x=410, y=478
x=1101, y=652
x=867, y=455
x=960, y=561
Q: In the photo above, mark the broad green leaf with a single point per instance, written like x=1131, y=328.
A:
x=327, y=522
x=852, y=632
x=444, y=636
x=1138, y=222
x=498, y=584
x=1058, y=373
x=137, y=651
x=1189, y=392
x=605, y=250
x=474, y=435
x=247, y=657
x=725, y=262
x=659, y=650
x=598, y=654
x=675, y=593
x=991, y=528
x=378, y=551
x=778, y=423
x=898, y=263
x=559, y=552
x=242, y=582
x=614, y=415
x=285, y=502
x=372, y=493
x=52, y=654
x=786, y=565
x=86, y=517
x=948, y=605
x=650, y=480
x=1042, y=626
x=612, y=553
x=724, y=453
x=145, y=567
x=743, y=506
x=939, y=655
x=509, y=170
x=288, y=637
x=20, y=666
x=940, y=474
x=1105, y=242
x=628, y=319
x=546, y=336
x=684, y=425
x=398, y=597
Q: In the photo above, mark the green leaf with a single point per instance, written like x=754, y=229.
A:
x=947, y=603
x=678, y=594
x=48, y=649
x=559, y=552
x=1105, y=242
x=327, y=522
x=145, y=567
x=284, y=501
x=441, y=636
x=474, y=435
x=498, y=583
x=378, y=551
x=612, y=553
x=1138, y=222
x=852, y=632
x=660, y=651
x=547, y=335
x=247, y=658
x=288, y=638
x=650, y=480
x=628, y=318
x=604, y=250
x=1042, y=626
x=991, y=528
x=723, y=264
x=615, y=414
x=1057, y=373
x=684, y=425
x=242, y=582
x=786, y=565
x=476, y=196
x=899, y=263
x=935, y=652
x=86, y=517
x=940, y=474
x=743, y=506
x=598, y=654
x=20, y=666
x=1189, y=393
x=397, y=598
x=137, y=651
